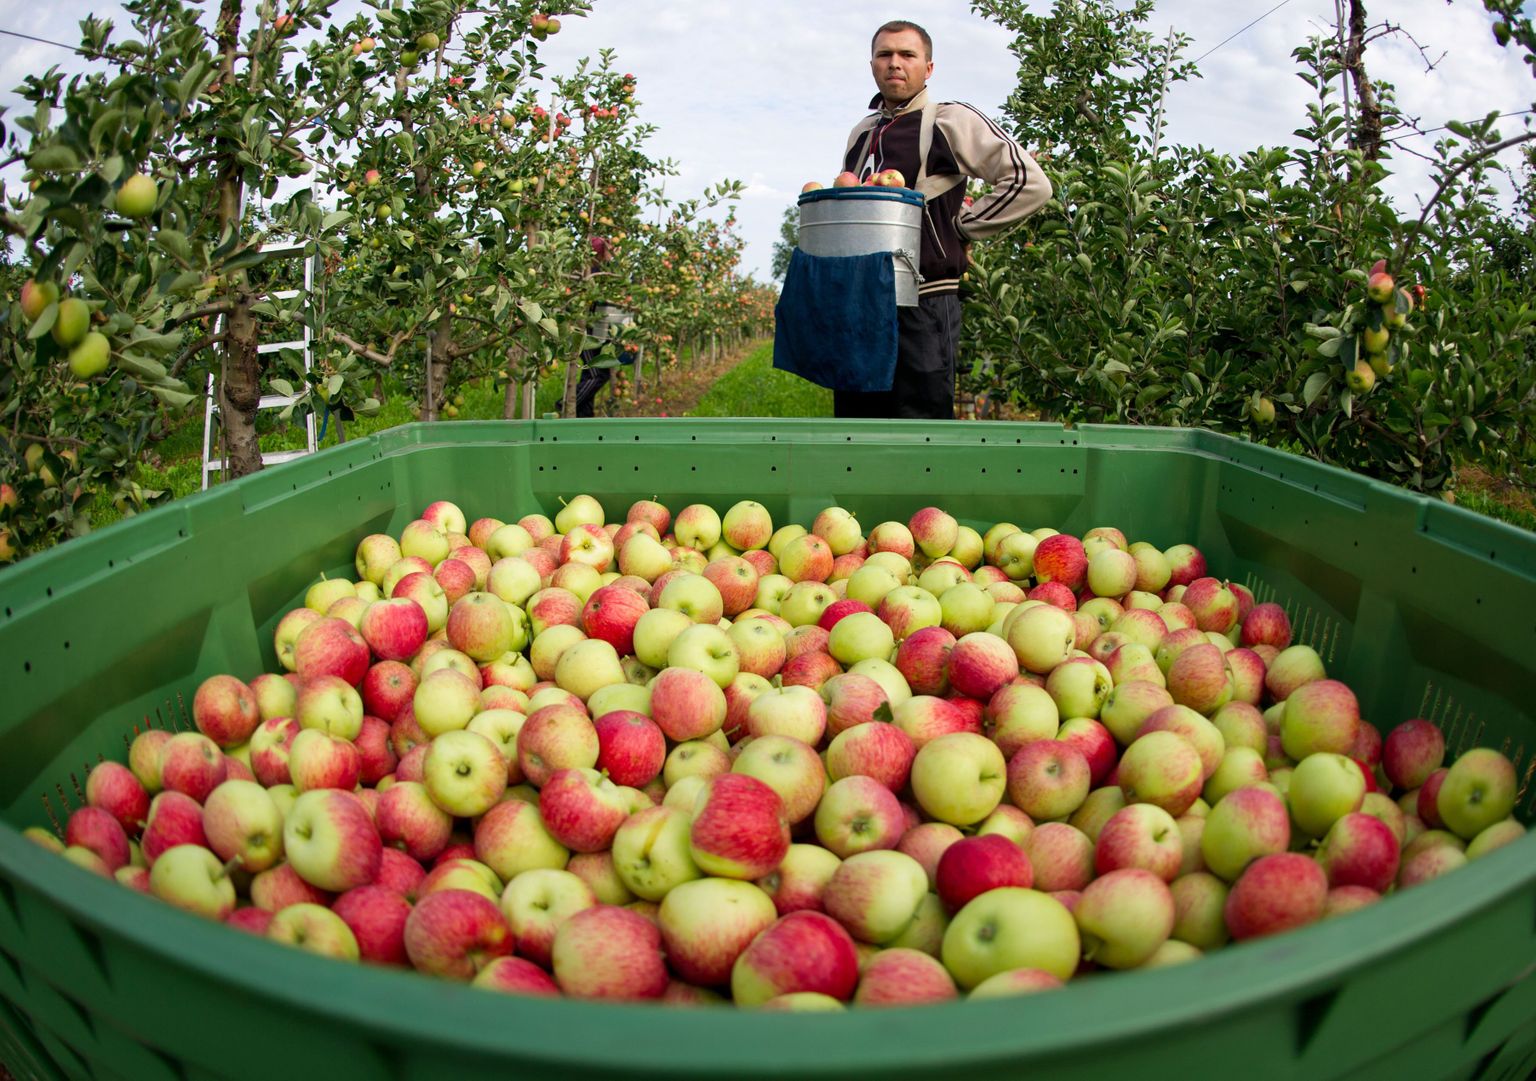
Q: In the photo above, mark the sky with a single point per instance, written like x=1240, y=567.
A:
x=766, y=92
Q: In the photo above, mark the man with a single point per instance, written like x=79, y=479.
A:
x=960, y=143
x=593, y=378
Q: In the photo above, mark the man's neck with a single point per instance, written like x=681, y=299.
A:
x=898, y=105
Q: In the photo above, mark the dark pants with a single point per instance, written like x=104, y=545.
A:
x=592, y=380
x=924, y=383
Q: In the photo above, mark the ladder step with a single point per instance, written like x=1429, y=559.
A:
x=286, y=294
x=274, y=347
x=271, y=457
x=276, y=401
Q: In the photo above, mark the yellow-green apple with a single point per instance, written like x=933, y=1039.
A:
x=705, y=648
x=1293, y=667
x=631, y=747
x=582, y=509
x=243, y=825
x=1241, y=724
x=193, y=879
x=423, y=538
x=973, y=865
x=1112, y=572
x=891, y=536
x=927, y=842
x=275, y=695
x=481, y=530
x=739, y=830
x=1079, y=687
x=652, y=513
x=511, y=838
x=1042, y=637
x=457, y=578
x=315, y=929
x=888, y=676
x=746, y=525
x=513, y=579
x=609, y=952
x=959, y=777
x=453, y=871
x=399, y=570
x=465, y=773
x=72, y=322
x=908, y=609
x=652, y=853
x=1045, y=778
x=1010, y=928
x=92, y=356
x=1016, y=981
x=582, y=809
x=858, y=635
x=483, y=627
x=1020, y=713
x=1200, y=732
x=426, y=591
x=1494, y=837
x=1061, y=855
x=798, y=953
x=790, y=767
x=589, y=545
x=455, y=934
x=113, y=787
x=969, y=549
x=1276, y=893
x=1198, y=900
x=317, y=759
x=858, y=814
x=408, y=819
x=697, y=526
x=794, y=711
x=1176, y=616
x=192, y=764
x=1128, y=706
x=331, y=841
x=875, y=894
x=1360, y=850
x=512, y=671
x=839, y=528
x=537, y=902
x=643, y=556
x=872, y=583
x=224, y=709
x=1239, y=768
x=759, y=647
x=691, y=594
x=941, y=575
x=1479, y=789
x=1124, y=916
x=376, y=916
x=654, y=633
x=1007, y=821
x=801, y=878
x=1098, y=808
x=538, y=526
x=1324, y=788
x=445, y=701
x=924, y=718
x=873, y=749
x=596, y=869
x=1140, y=836
x=548, y=645
x=805, y=558
x=586, y=666
x=1161, y=768
x=707, y=923
x=35, y=298
x=1143, y=626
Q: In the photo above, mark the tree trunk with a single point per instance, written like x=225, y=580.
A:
x=240, y=379
x=1367, y=135
x=438, y=365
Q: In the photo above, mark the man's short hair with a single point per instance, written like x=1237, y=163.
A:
x=896, y=26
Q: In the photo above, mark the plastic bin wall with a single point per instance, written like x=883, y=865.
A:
x=1426, y=610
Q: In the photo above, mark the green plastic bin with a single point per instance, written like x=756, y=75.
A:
x=1426, y=610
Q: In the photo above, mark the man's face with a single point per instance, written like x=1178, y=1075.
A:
x=900, y=65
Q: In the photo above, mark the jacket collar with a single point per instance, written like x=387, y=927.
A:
x=913, y=104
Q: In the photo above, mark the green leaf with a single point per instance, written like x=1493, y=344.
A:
x=176, y=399
x=44, y=322
x=56, y=158
x=1330, y=348
x=1347, y=401
x=1317, y=382
x=334, y=384
x=175, y=242
x=282, y=386
x=1085, y=262
x=550, y=327
x=1469, y=426
x=334, y=219
x=1322, y=333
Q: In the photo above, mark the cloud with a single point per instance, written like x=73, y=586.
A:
x=766, y=92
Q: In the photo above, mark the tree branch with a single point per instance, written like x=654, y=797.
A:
x=192, y=350
x=1417, y=230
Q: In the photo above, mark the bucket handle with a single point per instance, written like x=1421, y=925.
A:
x=910, y=258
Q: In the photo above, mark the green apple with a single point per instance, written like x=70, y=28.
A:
x=137, y=196
x=1009, y=928
x=91, y=357
x=194, y=880
x=959, y=778
x=1479, y=789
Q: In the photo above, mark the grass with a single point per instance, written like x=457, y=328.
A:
x=754, y=389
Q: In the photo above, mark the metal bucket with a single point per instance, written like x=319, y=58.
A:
x=608, y=320
x=863, y=221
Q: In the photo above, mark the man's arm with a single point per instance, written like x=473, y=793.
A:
x=983, y=150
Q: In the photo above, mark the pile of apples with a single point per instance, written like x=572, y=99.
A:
x=698, y=758
x=888, y=178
